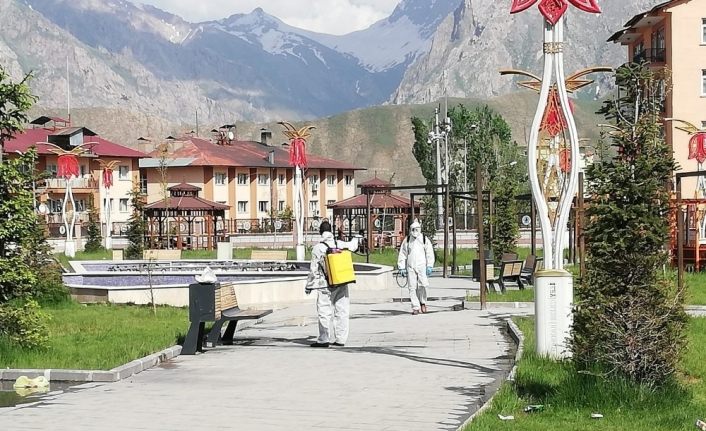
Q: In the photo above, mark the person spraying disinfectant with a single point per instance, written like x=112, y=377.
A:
x=330, y=273
x=415, y=261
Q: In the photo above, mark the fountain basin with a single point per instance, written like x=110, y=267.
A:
x=257, y=283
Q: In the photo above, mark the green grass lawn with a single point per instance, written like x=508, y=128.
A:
x=570, y=398
x=99, y=336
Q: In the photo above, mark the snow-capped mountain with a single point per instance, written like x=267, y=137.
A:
x=246, y=66
x=397, y=40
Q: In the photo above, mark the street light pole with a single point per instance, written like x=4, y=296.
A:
x=436, y=135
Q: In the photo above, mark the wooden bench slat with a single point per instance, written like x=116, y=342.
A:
x=268, y=255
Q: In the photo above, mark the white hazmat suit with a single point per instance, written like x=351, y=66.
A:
x=416, y=258
x=331, y=302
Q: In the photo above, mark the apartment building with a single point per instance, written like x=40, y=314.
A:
x=251, y=178
x=673, y=35
x=46, y=134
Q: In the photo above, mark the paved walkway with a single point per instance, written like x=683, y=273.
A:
x=397, y=372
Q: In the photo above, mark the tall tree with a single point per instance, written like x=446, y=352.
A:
x=136, y=227
x=15, y=101
x=489, y=145
x=629, y=319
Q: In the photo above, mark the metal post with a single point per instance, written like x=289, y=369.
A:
x=465, y=183
x=581, y=239
x=680, y=238
x=446, y=229
x=533, y=227
x=438, y=169
x=370, y=230
x=481, y=245
x=453, y=254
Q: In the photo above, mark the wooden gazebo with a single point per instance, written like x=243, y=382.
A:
x=388, y=214
x=192, y=222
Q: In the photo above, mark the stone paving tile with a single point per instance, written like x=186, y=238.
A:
x=397, y=372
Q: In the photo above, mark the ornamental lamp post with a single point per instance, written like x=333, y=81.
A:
x=68, y=168
x=107, y=169
x=297, y=159
x=440, y=132
x=553, y=172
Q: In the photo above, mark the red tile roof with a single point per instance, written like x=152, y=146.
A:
x=245, y=154
x=39, y=136
x=375, y=182
x=186, y=203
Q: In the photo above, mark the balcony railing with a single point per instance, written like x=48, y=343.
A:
x=76, y=183
x=651, y=55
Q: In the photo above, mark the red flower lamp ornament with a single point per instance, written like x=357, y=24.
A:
x=552, y=10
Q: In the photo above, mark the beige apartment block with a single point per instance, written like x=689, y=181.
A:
x=673, y=35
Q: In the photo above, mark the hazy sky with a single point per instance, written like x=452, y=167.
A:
x=324, y=16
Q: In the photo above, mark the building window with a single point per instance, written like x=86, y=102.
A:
x=123, y=172
x=143, y=182
x=349, y=180
x=331, y=180
x=83, y=171
x=263, y=179
x=262, y=206
x=703, y=31
x=280, y=206
x=282, y=179
x=314, y=179
x=242, y=207
x=51, y=170
x=703, y=82
x=330, y=202
x=80, y=205
x=703, y=125
x=221, y=178
x=314, y=208
x=55, y=205
x=242, y=179
x=123, y=205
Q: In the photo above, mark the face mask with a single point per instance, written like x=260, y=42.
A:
x=416, y=232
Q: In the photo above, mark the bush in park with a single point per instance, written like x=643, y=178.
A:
x=629, y=320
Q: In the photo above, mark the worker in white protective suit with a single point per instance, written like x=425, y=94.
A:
x=333, y=304
x=415, y=261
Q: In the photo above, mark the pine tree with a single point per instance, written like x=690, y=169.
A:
x=93, y=243
x=629, y=320
x=136, y=227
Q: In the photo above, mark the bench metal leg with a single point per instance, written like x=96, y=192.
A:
x=215, y=334
x=230, y=331
x=519, y=283
x=193, y=340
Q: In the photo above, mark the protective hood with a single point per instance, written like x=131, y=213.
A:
x=326, y=236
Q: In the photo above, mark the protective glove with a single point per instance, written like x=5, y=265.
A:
x=429, y=270
x=403, y=272
x=307, y=291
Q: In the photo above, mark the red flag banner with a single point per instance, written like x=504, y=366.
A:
x=107, y=178
x=68, y=166
x=297, y=152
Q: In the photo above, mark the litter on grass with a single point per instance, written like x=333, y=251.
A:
x=534, y=408
x=506, y=418
x=596, y=416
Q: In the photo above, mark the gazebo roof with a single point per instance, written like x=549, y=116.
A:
x=383, y=200
x=185, y=187
x=187, y=203
x=375, y=182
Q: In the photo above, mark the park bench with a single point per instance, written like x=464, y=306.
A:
x=509, y=270
x=161, y=254
x=268, y=255
x=532, y=263
x=214, y=302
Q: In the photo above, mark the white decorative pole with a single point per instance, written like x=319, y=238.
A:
x=297, y=158
x=107, y=180
x=68, y=169
x=553, y=192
